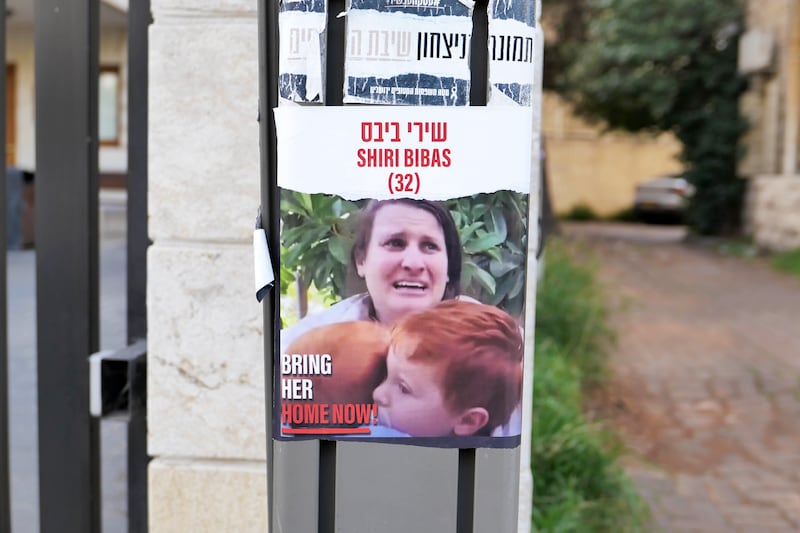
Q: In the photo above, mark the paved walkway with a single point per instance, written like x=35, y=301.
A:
x=706, y=385
x=23, y=437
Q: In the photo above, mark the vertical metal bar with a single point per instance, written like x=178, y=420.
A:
x=479, y=55
x=66, y=67
x=139, y=20
x=5, y=487
x=334, y=94
x=466, y=490
x=268, y=99
x=327, y=487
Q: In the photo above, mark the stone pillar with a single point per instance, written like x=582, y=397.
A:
x=792, y=112
x=205, y=364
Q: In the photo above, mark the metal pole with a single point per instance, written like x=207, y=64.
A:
x=66, y=60
x=5, y=487
x=139, y=19
x=268, y=99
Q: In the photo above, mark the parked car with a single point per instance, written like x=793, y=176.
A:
x=663, y=196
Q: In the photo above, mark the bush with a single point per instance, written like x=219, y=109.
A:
x=624, y=215
x=571, y=313
x=577, y=484
x=580, y=213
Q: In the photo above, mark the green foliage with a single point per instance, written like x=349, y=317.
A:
x=318, y=233
x=624, y=215
x=577, y=484
x=580, y=212
x=571, y=312
x=788, y=261
x=316, y=237
x=493, y=232
x=668, y=66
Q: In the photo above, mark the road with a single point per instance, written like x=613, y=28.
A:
x=705, y=385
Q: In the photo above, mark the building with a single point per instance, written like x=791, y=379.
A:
x=590, y=167
x=112, y=112
x=20, y=106
x=770, y=58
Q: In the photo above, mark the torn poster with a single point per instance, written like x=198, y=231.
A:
x=302, y=50
x=408, y=52
x=514, y=51
x=403, y=251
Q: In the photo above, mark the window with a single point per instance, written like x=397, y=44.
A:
x=108, y=113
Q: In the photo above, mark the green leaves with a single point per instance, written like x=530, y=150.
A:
x=317, y=236
x=664, y=66
x=493, y=232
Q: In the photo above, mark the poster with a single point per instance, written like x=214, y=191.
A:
x=403, y=242
x=515, y=48
x=302, y=26
x=408, y=52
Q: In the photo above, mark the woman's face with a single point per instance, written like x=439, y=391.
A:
x=405, y=263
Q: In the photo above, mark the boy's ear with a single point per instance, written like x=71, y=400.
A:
x=471, y=421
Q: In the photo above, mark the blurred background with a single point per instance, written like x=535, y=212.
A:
x=667, y=393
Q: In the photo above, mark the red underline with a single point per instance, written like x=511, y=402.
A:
x=326, y=431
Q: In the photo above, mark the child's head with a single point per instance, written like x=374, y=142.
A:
x=358, y=354
x=455, y=369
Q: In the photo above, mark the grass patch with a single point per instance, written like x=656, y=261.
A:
x=787, y=262
x=578, y=485
x=581, y=213
x=743, y=249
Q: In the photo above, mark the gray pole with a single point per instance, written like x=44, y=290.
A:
x=5, y=488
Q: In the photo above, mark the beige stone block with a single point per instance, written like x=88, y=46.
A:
x=775, y=211
x=213, y=497
x=200, y=7
x=203, y=156
x=205, y=353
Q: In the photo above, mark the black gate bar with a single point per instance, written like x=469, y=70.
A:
x=66, y=68
x=267, y=100
x=139, y=20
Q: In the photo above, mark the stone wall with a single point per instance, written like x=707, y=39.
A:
x=772, y=106
x=764, y=102
x=587, y=166
x=205, y=369
x=773, y=211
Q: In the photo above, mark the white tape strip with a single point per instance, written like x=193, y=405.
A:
x=264, y=273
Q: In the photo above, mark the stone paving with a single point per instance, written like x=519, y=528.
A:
x=706, y=379
x=23, y=432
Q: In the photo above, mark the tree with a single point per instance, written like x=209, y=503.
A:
x=665, y=66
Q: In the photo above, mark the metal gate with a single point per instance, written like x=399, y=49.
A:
x=67, y=286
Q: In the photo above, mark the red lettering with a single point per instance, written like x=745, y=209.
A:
x=349, y=414
x=364, y=413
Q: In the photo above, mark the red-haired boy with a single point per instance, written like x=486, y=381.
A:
x=454, y=369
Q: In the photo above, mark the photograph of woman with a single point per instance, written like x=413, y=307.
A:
x=408, y=257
